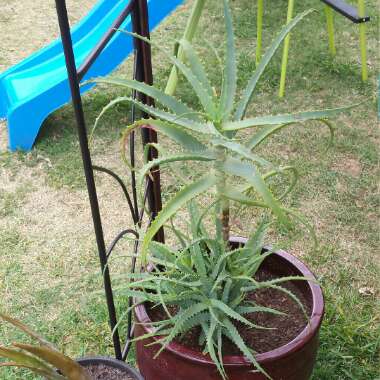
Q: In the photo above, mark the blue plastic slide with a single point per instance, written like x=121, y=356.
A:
x=37, y=86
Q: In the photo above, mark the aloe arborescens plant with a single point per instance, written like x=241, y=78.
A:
x=211, y=135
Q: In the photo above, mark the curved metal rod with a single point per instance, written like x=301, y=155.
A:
x=118, y=237
x=128, y=344
x=99, y=47
x=124, y=188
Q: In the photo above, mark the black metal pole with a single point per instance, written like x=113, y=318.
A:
x=95, y=52
x=144, y=73
x=87, y=165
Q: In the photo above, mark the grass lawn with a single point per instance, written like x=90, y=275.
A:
x=48, y=262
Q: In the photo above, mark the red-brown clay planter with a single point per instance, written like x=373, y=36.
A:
x=293, y=361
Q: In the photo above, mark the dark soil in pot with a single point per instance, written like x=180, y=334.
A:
x=104, y=368
x=103, y=372
x=285, y=327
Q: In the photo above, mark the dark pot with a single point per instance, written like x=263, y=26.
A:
x=110, y=362
x=293, y=361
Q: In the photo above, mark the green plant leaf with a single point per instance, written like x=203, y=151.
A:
x=19, y=325
x=49, y=375
x=282, y=170
x=267, y=131
x=202, y=94
x=176, y=203
x=158, y=113
x=237, y=196
x=22, y=358
x=253, y=177
x=248, y=92
x=286, y=118
x=241, y=150
x=233, y=314
x=232, y=333
x=181, y=318
x=67, y=366
x=230, y=72
x=255, y=243
x=196, y=66
x=175, y=133
x=211, y=349
x=258, y=309
x=168, y=101
x=165, y=160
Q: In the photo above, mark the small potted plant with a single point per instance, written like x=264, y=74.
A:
x=46, y=361
x=217, y=306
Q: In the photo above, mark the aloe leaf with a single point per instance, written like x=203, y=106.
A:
x=267, y=131
x=177, y=134
x=237, y=196
x=241, y=150
x=49, y=375
x=285, y=119
x=233, y=334
x=233, y=314
x=177, y=202
x=202, y=94
x=282, y=170
x=182, y=238
x=211, y=349
x=264, y=133
x=248, y=92
x=67, y=366
x=253, y=177
x=168, y=101
x=258, y=309
x=221, y=260
x=22, y=358
x=172, y=131
x=306, y=223
x=255, y=243
x=175, y=158
x=227, y=290
x=181, y=318
x=292, y=296
x=196, y=66
x=156, y=112
x=19, y=325
x=230, y=72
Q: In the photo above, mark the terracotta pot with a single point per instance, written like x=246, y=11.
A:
x=110, y=362
x=293, y=361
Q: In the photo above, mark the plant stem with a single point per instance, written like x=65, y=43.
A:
x=226, y=220
x=224, y=208
x=190, y=30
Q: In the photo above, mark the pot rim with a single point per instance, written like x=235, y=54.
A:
x=110, y=362
x=239, y=360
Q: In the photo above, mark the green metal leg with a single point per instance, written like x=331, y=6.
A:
x=285, y=53
x=363, y=40
x=330, y=29
x=260, y=12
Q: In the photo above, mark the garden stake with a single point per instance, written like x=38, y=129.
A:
x=260, y=12
x=286, y=51
x=363, y=40
x=330, y=29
